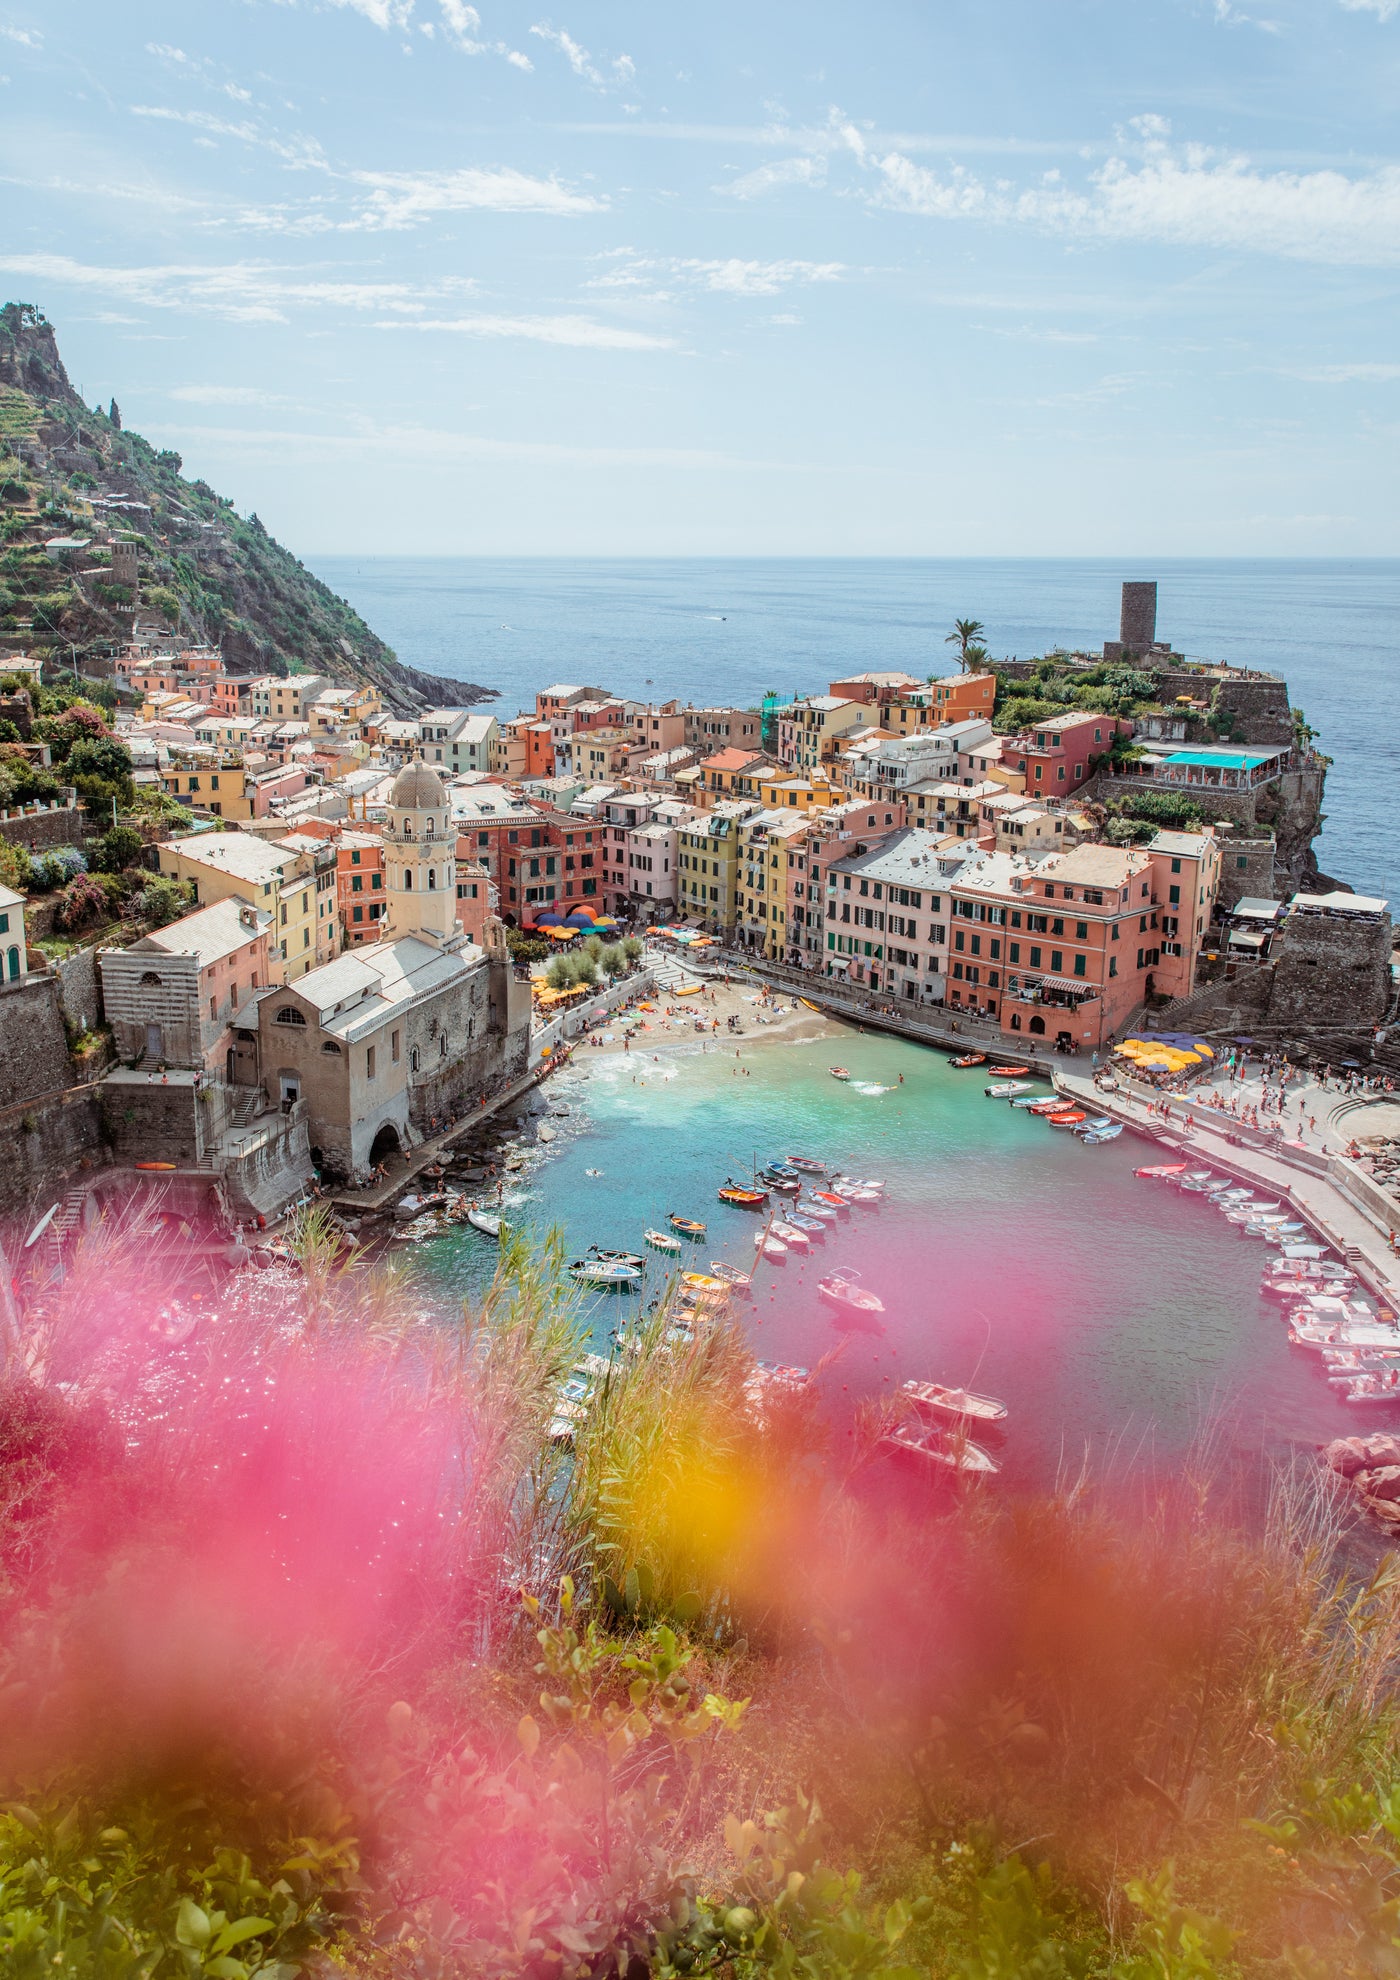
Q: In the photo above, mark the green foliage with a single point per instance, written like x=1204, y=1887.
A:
x=163, y=900
x=1178, y=813
x=525, y=948
x=119, y=848
x=82, y=904
x=633, y=948
x=613, y=961
x=161, y=598
x=156, y=1897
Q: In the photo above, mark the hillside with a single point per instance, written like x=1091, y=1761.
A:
x=69, y=471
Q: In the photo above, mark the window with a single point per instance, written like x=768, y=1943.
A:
x=1015, y=952
x=1242, y=861
x=331, y=1046
x=359, y=914
x=1174, y=893
x=1035, y=958
x=1176, y=866
x=394, y=1046
x=1081, y=965
x=289, y=1014
x=369, y=1062
x=1057, y=959
x=1081, y=931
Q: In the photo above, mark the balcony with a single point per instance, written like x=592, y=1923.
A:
x=1062, y=992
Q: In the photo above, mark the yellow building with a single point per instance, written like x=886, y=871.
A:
x=789, y=793
x=770, y=842
x=708, y=854
x=296, y=885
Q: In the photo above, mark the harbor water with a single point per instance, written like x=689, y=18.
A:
x=1118, y=1318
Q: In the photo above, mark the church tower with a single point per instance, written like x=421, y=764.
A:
x=420, y=863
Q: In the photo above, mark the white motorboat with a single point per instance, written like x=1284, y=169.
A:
x=489, y=1222
x=768, y=1246
x=1007, y=1089
x=663, y=1241
x=605, y=1274
x=737, y=1281
x=841, y=1290
x=961, y=1404
x=1374, y=1388
x=949, y=1451
x=794, y=1239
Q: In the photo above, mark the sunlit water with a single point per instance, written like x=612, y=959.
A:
x=1111, y=1314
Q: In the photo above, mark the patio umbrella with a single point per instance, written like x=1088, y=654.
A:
x=561, y=934
x=580, y=918
x=551, y=918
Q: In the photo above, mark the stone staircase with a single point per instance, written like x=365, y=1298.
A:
x=669, y=973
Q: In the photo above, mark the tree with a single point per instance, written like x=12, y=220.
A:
x=965, y=635
x=163, y=900
x=118, y=849
x=82, y=902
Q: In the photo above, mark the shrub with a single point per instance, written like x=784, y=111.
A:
x=82, y=903
x=633, y=948
x=613, y=961
x=120, y=847
x=163, y=900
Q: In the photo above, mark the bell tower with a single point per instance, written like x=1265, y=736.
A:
x=420, y=863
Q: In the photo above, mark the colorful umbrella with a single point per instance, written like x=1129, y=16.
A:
x=580, y=918
x=551, y=918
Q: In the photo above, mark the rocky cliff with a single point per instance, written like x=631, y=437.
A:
x=67, y=470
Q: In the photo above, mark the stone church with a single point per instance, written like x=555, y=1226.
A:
x=392, y=1041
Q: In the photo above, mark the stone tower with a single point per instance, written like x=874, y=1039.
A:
x=420, y=864
x=1137, y=624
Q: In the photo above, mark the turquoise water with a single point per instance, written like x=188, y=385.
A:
x=1113, y=1315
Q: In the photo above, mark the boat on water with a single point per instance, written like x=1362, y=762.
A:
x=1031, y=1102
x=935, y=1446
x=574, y=1398
x=737, y=1281
x=814, y=1226
x=1197, y=1180
x=489, y=1222
x=1101, y=1135
x=784, y=1185
x=841, y=1290
x=807, y=1165
x=605, y=1274
x=839, y=1072
x=1011, y=1072
x=844, y=1183
x=738, y=1197
x=958, y=1403
x=705, y=1285
x=1055, y=1106
x=1007, y=1089
x=970, y=1059
x=1071, y=1119
x=663, y=1241
x=1096, y=1124
x=830, y=1198
x=689, y=1227
x=768, y=1246
x=794, y=1239
x=617, y=1257
x=822, y=1212
x=1163, y=1171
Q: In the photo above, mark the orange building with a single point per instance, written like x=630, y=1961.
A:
x=959, y=697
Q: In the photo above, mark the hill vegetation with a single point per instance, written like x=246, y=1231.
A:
x=70, y=471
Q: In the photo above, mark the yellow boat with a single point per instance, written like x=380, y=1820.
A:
x=702, y=1282
x=808, y=1005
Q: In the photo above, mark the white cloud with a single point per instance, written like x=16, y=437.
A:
x=462, y=26
x=300, y=153
x=578, y=332
x=240, y=292
x=1193, y=198
x=803, y=171
x=730, y=277
x=1349, y=374
x=383, y=13
x=372, y=441
x=1384, y=10
x=406, y=199
x=23, y=37
x=624, y=69
x=225, y=395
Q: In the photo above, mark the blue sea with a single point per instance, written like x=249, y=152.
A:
x=729, y=630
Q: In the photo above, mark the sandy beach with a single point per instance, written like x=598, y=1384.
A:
x=664, y=1025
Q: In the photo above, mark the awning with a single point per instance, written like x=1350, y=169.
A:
x=1244, y=938
x=1074, y=983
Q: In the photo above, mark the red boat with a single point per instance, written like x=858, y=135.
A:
x=1010, y=1072
x=1055, y=1106
x=1169, y=1170
x=1071, y=1119
x=971, y=1059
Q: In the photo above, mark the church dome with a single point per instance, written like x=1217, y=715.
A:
x=418, y=787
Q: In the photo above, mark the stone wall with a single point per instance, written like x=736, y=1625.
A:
x=1331, y=963
x=45, y=827
x=79, y=991
x=147, y=1121
x=45, y=1143
x=1246, y=871
x=487, y=1029
x=1291, y=806
x=33, y=1043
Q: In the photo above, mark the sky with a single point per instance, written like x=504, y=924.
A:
x=960, y=277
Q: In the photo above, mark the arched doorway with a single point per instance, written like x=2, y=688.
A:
x=12, y=960
x=1037, y=1025
x=385, y=1143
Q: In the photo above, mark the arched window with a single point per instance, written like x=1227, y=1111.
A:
x=408, y=879
x=331, y=1046
x=429, y=829
x=1015, y=1020
x=149, y=979
x=1037, y=1025
x=289, y=1014
x=442, y=1046
x=414, y=1059
x=432, y=879
x=408, y=828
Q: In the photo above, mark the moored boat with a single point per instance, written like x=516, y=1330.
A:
x=936, y=1446
x=814, y=1226
x=689, y=1227
x=807, y=1164
x=970, y=1059
x=794, y=1239
x=488, y=1222
x=705, y=1286
x=737, y=1281
x=1010, y=1072
x=1007, y=1089
x=831, y=1199
x=738, y=1197
x=768, y=1246
x=958, y=1403
x=1163, y=1171
x=1070, y=1119
x=662, y=1241
x=1101, y=1135
x=840, y=1289
x=605, y=1274
x=1055, y=1106
x=784, y=1185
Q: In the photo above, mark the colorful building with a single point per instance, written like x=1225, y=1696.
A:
x=1062, y=752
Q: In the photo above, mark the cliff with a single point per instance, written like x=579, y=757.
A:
x=67, y=470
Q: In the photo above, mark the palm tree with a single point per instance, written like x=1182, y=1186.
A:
x=966, y=634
